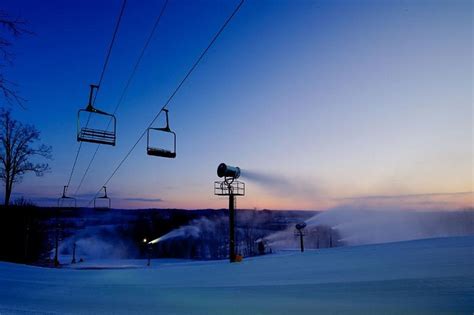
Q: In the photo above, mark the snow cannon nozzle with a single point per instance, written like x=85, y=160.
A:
x=300, y=226
x=224, y=170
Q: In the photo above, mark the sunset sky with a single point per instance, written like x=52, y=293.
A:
x=333, y=102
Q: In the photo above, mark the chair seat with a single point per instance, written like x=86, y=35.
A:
x=161, y=152
x=96, y=136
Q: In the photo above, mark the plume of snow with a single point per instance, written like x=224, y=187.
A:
x=281, y=185
x=184, y=231
x=365, y=225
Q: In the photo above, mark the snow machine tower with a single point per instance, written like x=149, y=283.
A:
x=300, y=232
x=232, y=188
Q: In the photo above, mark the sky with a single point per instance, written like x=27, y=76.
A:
x=331, y=102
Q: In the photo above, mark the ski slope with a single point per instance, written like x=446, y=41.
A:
x=433, y=276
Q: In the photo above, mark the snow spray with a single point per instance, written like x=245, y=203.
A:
x=184, y=231
x=280, y=184
x=379, y=225
x=358, y=226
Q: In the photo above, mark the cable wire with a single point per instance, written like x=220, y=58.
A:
x=107, y=58
x=127, y=85
x=170, y=98
x=104, y=68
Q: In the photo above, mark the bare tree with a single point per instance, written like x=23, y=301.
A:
x=17, y=151
x=10, y=28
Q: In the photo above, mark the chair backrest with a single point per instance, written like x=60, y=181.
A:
x=94, y=135
x=161, y=152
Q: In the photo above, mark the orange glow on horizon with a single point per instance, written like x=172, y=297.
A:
x=415, y=202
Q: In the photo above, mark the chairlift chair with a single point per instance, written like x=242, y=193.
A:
x=104, y=197
x=64, y=198
x=161, y=152
x=100, y=136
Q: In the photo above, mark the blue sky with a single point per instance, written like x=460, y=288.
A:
x=338, y=99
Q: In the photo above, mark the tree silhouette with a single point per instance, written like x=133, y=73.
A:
x=17, y=151
x=10, y=28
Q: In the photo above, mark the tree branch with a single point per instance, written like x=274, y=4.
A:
x=17, y=151
x=15, y=27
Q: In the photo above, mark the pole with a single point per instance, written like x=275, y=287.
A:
x=301, y=241
x=149, y=255
x=73, y=253
x=56, y=244
x=56, y=241
x=27, y=239
x=231, y=228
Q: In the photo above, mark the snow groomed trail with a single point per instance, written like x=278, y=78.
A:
x=433, y=276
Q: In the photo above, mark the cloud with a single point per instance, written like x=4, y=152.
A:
x=143, y=199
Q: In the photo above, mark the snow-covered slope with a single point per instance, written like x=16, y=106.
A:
x=434, y=276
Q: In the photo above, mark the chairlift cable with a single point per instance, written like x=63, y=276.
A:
x=104, y=68
x=127, y=85
x=74, y=164
x=190, y=71
x=109, y=52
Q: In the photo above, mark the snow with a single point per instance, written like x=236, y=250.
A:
x=433, y=276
